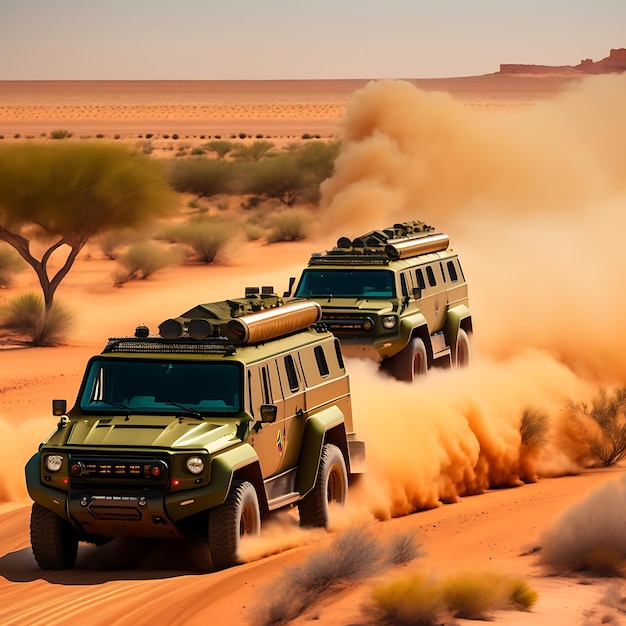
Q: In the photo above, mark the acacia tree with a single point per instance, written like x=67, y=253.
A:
x=59, y=196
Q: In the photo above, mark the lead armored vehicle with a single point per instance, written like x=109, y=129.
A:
x=234, y=410
x=397, y=295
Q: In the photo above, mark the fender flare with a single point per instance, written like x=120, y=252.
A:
x=327, y=425
x=457, y=317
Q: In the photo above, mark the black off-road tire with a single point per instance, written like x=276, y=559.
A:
x=412, y=361
x=462, y=353
x=54, y=541
x=331, y=486
x=239, y=515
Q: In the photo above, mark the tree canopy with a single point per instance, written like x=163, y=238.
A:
x=58, y=195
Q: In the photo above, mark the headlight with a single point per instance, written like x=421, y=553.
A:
x=194, y=464
x=53, y=462
x=389, y=321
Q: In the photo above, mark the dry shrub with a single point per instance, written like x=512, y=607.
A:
x=353, y=556
x=597, y=431
x=205, y=236
x=534, y=426
x=424, y=600
x=11, y=263
x=415, y=600
x=402, y=549
x=26, y=314
x=141, y=260
x=590, y=535
x=289, y=225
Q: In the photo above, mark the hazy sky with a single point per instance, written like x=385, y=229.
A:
x=264, y=39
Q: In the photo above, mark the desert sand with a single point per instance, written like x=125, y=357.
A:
x=526, y=177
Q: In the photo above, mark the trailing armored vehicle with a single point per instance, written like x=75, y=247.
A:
x=234, y=410
x=397, y=295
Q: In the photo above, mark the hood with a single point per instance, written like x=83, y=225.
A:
x=151, y=431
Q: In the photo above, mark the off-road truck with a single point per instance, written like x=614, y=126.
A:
x=234, y=410
x=396, y=295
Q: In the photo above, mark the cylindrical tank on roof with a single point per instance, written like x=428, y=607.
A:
x=271, y=323
x=412, y=246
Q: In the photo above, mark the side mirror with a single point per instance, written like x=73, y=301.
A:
x=417, y=293
x=292, y=280
x=59, y=407
x=268, y=413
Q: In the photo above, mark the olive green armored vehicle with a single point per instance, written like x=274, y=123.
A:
x=234, y=410
x=396, y=295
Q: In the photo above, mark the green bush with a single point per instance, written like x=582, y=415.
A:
x=289, y=225
x=201, y=176
x=26, y=314
x=254, y=151
x=141, y=260
x=60, y=134
x=221, y=148
x=11, y=263
x=281, y=177
x=206, y=236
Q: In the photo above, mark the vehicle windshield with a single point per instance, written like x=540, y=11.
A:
x=162, y=386
x=346, y=283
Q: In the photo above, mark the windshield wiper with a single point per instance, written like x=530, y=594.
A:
x=117, y=405
x=188, y=410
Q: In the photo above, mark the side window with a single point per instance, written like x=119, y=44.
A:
x=403, y=285
x=339, y=354
x=461, y=270
x=320, y=357
x=452, y=271
x=431, y=276
x=265, y=386
x=250, y=392
x=419, y=275
x=292, y=376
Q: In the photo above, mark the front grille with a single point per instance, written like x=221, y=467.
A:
x=89, y=470
x=347, y=324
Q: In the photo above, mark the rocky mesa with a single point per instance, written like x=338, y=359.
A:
x=615, y=62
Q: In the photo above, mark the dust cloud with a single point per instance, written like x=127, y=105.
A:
x=533, y=200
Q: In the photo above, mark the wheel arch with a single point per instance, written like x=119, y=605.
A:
x=456, y=318
x=327, y=426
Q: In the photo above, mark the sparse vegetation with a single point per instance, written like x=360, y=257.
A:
x=420, y=599
x=27, y=315
x=219, y=147
x=60, y=134
x=534, y=426
x=201, y=176
x=10, y=264
x=141, y=260
x=289, y=225
x=254, y=151
x=206, y=237
x=590, y=536
x=63, y=195
x=597, y=431
x=353, y=556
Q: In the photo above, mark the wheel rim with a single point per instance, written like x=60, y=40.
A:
x=247, y=523
x=335, y=487
x=418, y=364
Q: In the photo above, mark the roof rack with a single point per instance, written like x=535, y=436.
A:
x=380, y=247
x=221, y=327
